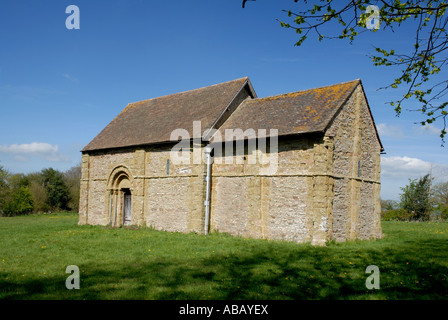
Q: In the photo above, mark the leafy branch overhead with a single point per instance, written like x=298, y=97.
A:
x=419, y=65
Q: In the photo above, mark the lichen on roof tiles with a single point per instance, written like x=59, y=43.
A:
x=153, y=120
x=291, y=113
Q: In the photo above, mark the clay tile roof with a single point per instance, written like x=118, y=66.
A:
x=152, y=121
x=292, y=113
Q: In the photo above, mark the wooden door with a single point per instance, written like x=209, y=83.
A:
x=127, y=207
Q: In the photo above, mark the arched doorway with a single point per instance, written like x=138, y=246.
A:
x=127, y=207
x=120, y=197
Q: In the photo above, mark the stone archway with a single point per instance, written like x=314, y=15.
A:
x=120, y=189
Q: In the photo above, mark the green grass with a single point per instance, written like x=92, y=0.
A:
x=146, y=264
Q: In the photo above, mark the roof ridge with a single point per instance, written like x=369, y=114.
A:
x=305, y=90
x=185, y=91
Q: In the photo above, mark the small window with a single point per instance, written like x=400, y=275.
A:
x=359, y=168
x=167, y=166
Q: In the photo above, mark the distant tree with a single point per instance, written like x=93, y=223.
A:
x=18, y=180
x=440, y=193
x=388, y=205
x=4, y=188
x=38, y=191
x=15, y=196
x=21, y=203
x=40, y=198
x=3, y=176
x=415, y=198
x=440, y=199
x=58, y=194
x=72, y=179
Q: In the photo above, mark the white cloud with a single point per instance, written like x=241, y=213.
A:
x=404, y=167
x=410, y=168
x=396, y=172
x=69, y=77
x=428, y=128
x=46, y=151
x=389, y=131
x=29, y=148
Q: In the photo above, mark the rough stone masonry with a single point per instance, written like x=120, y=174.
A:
x=325, y=183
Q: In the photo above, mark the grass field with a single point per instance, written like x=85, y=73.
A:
x=146, y=264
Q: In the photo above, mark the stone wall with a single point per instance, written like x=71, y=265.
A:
x=356, y=204
x=315, y=194
x=290, y=203
x=161, y=199
x=322, y=187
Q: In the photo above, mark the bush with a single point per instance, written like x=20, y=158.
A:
x=39, y=197
x=4, y=189
x=444, y=212
x=397, y=215
x=21, y=203
x=72, y=179
x=440, y=212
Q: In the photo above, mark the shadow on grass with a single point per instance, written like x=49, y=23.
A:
x=264, y=272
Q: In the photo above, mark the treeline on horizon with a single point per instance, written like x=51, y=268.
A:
x=51, y=190
x=46, y=191
x=420, y=200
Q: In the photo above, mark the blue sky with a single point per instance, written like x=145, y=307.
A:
x=59, y=88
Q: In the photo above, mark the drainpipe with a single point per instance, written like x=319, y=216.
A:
x=208, y=151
